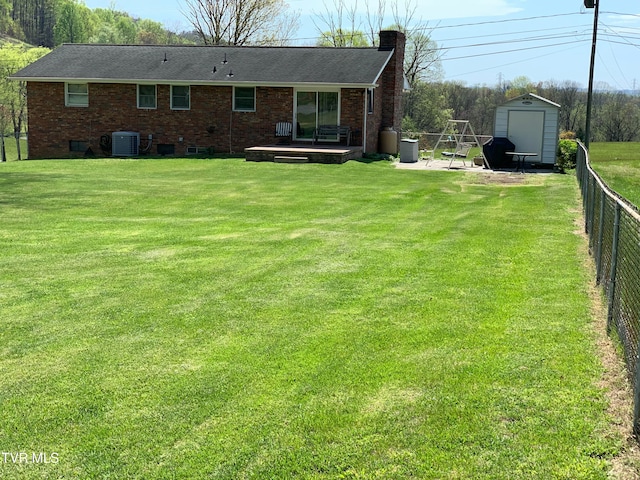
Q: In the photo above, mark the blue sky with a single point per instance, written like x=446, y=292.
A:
x=485, y=41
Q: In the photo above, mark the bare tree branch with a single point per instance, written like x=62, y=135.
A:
x=330, y=25
x=375, y=20
x=241, y=22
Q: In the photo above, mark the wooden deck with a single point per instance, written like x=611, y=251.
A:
x=299, y=153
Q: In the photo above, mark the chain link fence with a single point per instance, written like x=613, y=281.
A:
x=613, y=227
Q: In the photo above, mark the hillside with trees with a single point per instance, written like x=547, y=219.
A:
x=48, y=23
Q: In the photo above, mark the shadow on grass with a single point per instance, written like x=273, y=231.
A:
x=14, y=186
x=375, y=158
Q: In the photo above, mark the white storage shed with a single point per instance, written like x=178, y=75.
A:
x=531, y=123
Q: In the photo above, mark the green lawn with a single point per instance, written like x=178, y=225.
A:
x=223, y=319
x=618, y=163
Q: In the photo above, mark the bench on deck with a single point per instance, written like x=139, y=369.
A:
x=332, y=132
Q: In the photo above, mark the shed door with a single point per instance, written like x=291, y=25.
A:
x=526, y=131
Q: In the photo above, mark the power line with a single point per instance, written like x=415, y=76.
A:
x=493, y=67
x=520, y=40
x=623, y=14
x=537, y=30
x=513, y=50
x=473, y=24
x=626, y=37
x=490, y=22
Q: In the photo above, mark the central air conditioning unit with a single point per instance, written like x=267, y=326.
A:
x=125, y=144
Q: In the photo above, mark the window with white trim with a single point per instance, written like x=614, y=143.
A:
x=76, y=95
x=244, y=99
x=147, y=96
x=370, y=96
x=180, y=97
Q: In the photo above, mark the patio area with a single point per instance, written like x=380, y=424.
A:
x=468, y=165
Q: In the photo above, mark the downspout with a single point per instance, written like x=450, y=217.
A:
x=366, y=120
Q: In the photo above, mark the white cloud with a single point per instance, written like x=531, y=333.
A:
x=629, y=19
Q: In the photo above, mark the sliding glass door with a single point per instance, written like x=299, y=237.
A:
x=315, y=108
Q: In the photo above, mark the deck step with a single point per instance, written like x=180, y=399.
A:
x=287, y=159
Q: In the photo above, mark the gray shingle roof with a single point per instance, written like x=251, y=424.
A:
x=194, y=64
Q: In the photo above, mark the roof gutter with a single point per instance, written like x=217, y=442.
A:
x=220, y=83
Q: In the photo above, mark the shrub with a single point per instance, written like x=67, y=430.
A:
x=566, y=157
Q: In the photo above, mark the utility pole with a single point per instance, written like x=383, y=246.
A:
x=591, y=4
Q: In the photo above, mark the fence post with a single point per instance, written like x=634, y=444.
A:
x=591, y=212
x=636, y=400
x=585, y=195
x=603, y=202
x=614, y=267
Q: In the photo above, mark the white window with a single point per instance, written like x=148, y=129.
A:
x=76, y=95
x=146, y=96
x=244, y=99
x=180, y=97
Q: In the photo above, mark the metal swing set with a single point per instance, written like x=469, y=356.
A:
x=458, y=132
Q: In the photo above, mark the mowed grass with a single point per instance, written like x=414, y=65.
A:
x=618, y=163
x=224, y=319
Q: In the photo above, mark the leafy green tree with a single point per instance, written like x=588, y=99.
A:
x=106, y=33
x=126, y=30
x=521, y=85
x=426, y=105
x=13, y=94
x=341, y=38
x=7, y=25
x=71, y=22
x=618, y=118
x=35, y=19
x=150, y=33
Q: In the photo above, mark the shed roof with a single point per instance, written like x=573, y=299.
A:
x=195, y=65
x=529, y=97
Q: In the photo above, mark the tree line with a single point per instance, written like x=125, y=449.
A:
x=615, y=114
x=48, y=23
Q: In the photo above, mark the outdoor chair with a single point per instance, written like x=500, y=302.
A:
x=284, y=131
x=461, y=152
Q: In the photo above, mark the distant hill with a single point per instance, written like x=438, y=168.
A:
x=49, y=23
x=7, y=40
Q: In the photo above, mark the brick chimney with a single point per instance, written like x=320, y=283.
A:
x=392, y=80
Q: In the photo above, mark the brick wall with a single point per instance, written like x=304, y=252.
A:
x=209, y=123
x=113, y=107
x=391, y=88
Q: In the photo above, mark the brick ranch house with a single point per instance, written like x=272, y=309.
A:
x=221, y=98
